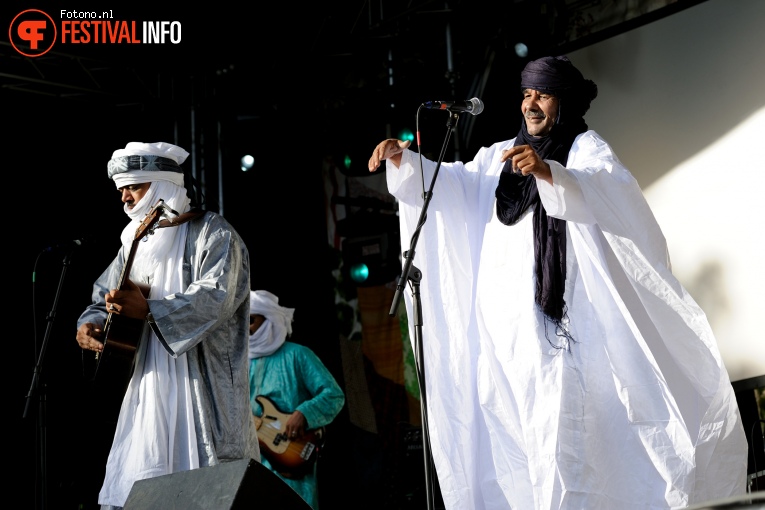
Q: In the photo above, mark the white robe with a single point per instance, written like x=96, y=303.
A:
x=637, y=412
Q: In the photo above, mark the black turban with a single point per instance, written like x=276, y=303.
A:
x=550, y=74
x=558, y=76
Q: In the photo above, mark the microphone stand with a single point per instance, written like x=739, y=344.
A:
x=414, y=276
x=34, y=390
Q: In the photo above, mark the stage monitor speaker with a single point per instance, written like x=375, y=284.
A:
x=750, y=501
x=237, y=485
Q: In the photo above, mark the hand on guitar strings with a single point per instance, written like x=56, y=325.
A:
x=296, y=425
x=129, y=302
x=88, y=337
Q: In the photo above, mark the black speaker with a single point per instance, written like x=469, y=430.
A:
x=751, y=501
x=750, y=397
x=237, y=485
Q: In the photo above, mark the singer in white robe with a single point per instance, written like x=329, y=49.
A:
x=639, y=401
x=622, y=401
x=637, y=412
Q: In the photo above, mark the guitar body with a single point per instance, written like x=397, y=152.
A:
x=292, y=458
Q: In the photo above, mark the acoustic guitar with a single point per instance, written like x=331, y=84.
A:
x=122, y=335
x=293, y=458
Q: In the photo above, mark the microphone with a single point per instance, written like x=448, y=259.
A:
x=473, y=106
x=74, y=243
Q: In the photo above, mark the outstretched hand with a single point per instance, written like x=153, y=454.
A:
x=387, y=149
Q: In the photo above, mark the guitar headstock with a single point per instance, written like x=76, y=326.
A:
x=149, y=222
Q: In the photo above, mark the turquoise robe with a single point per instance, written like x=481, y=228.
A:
x=294, y=378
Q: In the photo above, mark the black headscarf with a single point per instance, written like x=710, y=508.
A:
x=516, y=193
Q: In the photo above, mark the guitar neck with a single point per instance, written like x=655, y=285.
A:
x=128, y=265
x=146, y=227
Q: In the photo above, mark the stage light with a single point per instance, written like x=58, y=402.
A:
x=521, y=50
x=359, y=273
x=247, y=162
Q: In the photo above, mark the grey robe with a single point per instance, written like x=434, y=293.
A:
x=209, y=322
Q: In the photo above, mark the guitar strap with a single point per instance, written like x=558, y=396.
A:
x=180, y=219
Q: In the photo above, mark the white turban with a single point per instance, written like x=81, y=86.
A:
x=275, y=329
x=161, y=149
x=142, y=162
x=157, y=163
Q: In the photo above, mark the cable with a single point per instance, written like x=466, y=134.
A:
x=754, y=454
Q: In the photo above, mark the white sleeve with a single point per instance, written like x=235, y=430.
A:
x=563, y=198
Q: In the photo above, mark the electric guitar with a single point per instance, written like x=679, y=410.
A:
x=291, y=457
x=122, y=335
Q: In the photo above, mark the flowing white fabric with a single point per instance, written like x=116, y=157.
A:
x=155, y=431
x=637, y=412
x=275, y=329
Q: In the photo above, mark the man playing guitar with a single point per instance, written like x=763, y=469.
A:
x=192, y=327
x=292, y=394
